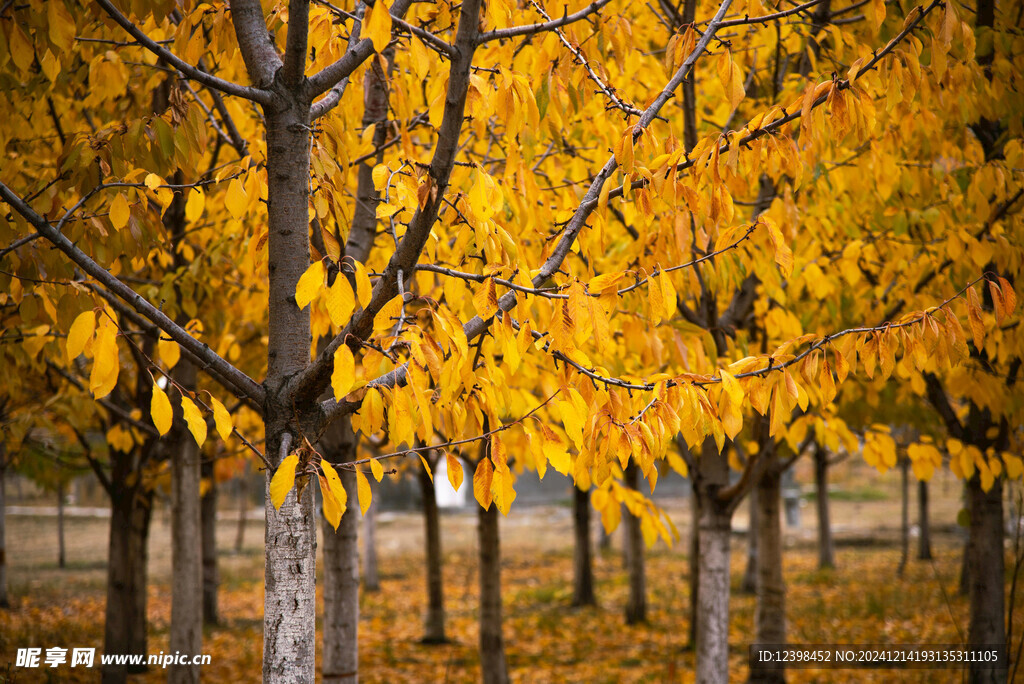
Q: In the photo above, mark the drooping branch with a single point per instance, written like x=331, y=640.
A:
x=841, y=84
x=256, y=94
x=476, y=326
x=240, y=383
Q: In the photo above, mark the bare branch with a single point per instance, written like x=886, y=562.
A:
x=295, y=44
x=770, y=17
x=258, y=51
x=514, y=31
x=196, y=74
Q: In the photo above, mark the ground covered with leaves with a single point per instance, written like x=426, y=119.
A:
x=861, y=601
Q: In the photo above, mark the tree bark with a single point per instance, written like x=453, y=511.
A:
x=748, y=585
x=924, y=542
x=715, y=525
x=243, y=512
x=186, y=543
x=694, y=565
x=433, y=623
x=211, y=577
x=341, y=566
x=61, y=548
x=826, y=544
x=371, y=574
x=770, y=609
x=5, y=601
x=289, y=611
x=904, y=516
x=636, y=605
x=493, y=665
x=583, y=564
x=986, y=578
x=125, y=621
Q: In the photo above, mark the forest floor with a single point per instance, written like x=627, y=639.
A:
x=862, y=601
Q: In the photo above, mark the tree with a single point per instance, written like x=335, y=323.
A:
x=502, y=310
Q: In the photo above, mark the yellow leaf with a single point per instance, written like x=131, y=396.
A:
x=363, y=491
x=974, y=318
x=309, y=284
x=153, y=181
x=377, y=469
x=485, y=301
x=106, y=364
x=160, y=410
x=364, y=291
x=120, y=212
x=502, y=491
x=1009, y=296
x=482, y=482
x=732, y=387
x=196, y=424
x=336, y=487
x=378, y=26
x=80, y=333
x=344, y=375
x=283, y=480
x=731, y=78
x=655, y=300
x=454, y=471
x=169, y=352
x=783, y=254
x=60, y=25
x=235, y=199
x=194, y=205
x=1014, y=465
x=668, y=293
x=426, y=467
x=341, y=301
x=332, y=512
x=221, y=418
x=22, y=52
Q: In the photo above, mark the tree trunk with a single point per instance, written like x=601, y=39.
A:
x=61, y=548
x=186, y=543
x=636, y=605
x=371, y=575
x=694, y=566
x=289, y=607
x=433, y=623
x=826, y=544
x=5, y=601
x=341, y=567
x=211, y=578
x=493, y=665
x=748, y=585
x=904, y=515
x=924, y=542
x=715, y=524
x=125, y=623
x=243, y=511
x=583, y=565
x=986, y=577
x=770, y=610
